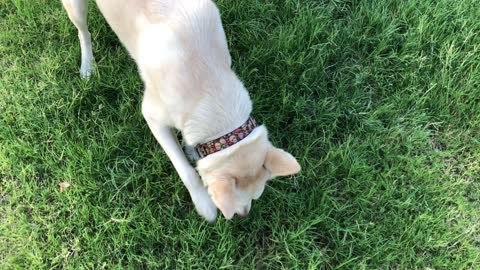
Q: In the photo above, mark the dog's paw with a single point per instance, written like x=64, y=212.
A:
x=204, y=204
x=86, y=71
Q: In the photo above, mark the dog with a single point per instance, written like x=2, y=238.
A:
x=182, y=56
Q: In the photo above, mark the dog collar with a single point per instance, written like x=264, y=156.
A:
x=226, y=140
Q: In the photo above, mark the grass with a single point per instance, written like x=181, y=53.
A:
x=379, y=100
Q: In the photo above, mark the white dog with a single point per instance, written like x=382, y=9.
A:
x=183, y=58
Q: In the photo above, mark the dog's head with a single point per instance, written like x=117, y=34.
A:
x=237, y=175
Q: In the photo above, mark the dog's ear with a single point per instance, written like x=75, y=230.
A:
x=281, y=163
x=223, y=195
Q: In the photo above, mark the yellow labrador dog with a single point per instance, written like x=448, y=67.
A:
x=182, y=55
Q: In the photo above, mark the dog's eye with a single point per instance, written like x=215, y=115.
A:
x=267, y=172
x=235, y=180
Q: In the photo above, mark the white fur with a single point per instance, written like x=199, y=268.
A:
x=77, y=12
x=210, y=162
x=182, y=55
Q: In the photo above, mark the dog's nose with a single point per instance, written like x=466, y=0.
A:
x=244, y=212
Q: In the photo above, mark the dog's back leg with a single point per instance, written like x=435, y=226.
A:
x=77, y=12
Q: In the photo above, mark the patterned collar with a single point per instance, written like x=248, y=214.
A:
x=226, y=140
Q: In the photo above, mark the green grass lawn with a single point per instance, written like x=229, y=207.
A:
x=378, y=100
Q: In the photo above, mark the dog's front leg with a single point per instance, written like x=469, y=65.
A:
x=190, y=178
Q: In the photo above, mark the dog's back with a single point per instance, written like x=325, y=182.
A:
x=193, y=25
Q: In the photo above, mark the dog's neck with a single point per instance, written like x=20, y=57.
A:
x=225, y=106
